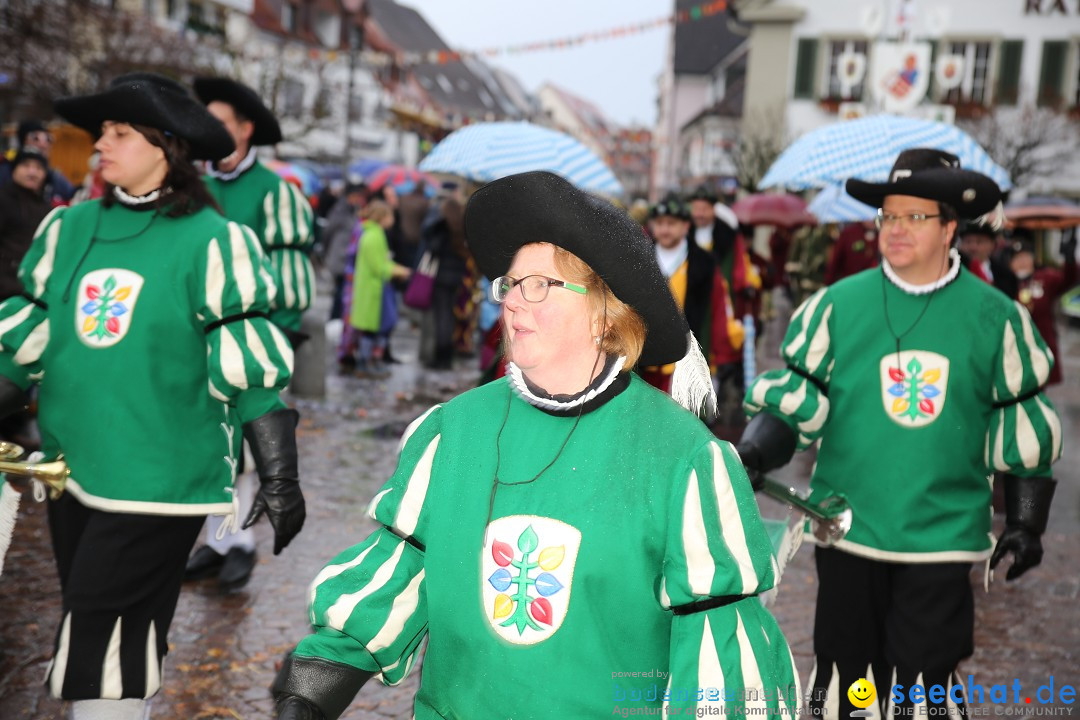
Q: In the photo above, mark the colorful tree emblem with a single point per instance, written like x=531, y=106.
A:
x=914, y=391
x=103, y=307
x=515, y=605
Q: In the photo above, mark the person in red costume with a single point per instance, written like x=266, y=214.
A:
x=856, y=249
x=1040, y=288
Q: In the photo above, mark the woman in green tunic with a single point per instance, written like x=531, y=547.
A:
x=571, y=542
x=144, y=324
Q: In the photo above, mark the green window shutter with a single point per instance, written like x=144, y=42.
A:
x=1052, y=72
x=1008, y=72
x=931, y=86
x=806, y=68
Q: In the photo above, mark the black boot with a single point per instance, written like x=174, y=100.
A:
x=206, y=562
x=236, y=571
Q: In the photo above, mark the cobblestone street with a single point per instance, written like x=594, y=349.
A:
x=225, y=648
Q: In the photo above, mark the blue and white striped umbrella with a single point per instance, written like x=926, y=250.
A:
x=867, y=148
x=834, y=205
x=489, y=151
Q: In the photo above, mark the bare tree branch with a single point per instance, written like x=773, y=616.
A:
x=1030, y=143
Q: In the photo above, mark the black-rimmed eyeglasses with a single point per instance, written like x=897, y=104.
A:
x=534, y=288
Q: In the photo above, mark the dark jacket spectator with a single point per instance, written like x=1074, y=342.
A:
x=32, y=134
x=22, y=208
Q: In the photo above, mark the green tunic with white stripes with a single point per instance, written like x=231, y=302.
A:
x=912, y=438
x=282, y=220
x=561, y=606
x=141, y=386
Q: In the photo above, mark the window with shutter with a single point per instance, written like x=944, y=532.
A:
x=805, y=68
x=836, y=49
x=974, y=87
x=1052, y=73
x=1008, y=75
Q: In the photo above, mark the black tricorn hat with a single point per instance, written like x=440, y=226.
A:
x=537, y=207
x=670, y=206
x=932, y=175
x=153, y=100
x=246, y=102
x=702, y=192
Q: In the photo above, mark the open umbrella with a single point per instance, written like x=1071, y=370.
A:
x=403, y=179
x=866, y=149
x=366, y=166
x=488, y=151
x=773, y=209
x=1043, y=213
x=834, y=205
x=303, y=177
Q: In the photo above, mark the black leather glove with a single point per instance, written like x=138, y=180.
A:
x=12, y=398
x=1027, y=510
x=272, y=439
x=766, y=444
x=309, y=688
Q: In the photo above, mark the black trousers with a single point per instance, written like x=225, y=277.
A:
x=120, y=575
x=895, y=620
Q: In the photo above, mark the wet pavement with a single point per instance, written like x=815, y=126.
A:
x=224, y=649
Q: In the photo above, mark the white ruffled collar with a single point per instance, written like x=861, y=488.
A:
x=237, y=171
x=126, y=199
x=911, y=289
x=517, y=381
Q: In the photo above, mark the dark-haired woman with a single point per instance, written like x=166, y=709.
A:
x=144, y=324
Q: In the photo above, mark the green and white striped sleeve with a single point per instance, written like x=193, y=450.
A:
x=797, y=394
x=368, y=607
x=1024, y=437
x=718, y=559
x=287, y=238
x=248, y=359
x=24, y=320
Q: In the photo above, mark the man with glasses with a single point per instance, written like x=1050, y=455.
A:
x=33, y=134
x=920, y=381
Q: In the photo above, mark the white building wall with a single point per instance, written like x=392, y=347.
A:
x=943, y=21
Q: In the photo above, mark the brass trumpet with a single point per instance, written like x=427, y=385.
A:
x=829, y=521
x=54, y=474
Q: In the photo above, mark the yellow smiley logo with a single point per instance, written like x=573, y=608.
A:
x=861, y=693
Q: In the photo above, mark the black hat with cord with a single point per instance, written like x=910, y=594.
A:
x=702, y=192
x=153, y=100
x=542, y=207
x=245, y=101
x=670, y=206
x=935, y=175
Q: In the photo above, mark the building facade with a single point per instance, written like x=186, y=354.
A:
x=1007, y=71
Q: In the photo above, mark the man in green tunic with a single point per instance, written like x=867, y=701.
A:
x=251, y=194
x=920, y=381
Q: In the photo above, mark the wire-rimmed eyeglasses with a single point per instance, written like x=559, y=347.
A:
x=907, y=220
x=534, y=288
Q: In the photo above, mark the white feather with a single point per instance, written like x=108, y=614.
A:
x=691, y=383
x=9, y=511
x=995, y=218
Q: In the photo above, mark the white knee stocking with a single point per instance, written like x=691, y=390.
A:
x=129, y=709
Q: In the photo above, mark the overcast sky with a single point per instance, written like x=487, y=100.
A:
x=618, y=75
